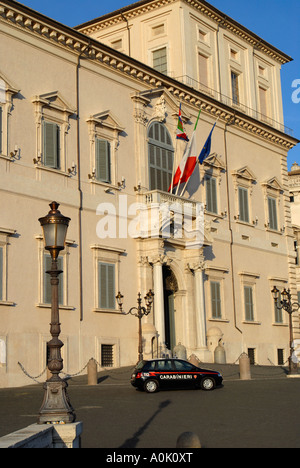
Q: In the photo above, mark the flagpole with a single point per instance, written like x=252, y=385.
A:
x=196, y=124
x=195, y=165
x=173, y=169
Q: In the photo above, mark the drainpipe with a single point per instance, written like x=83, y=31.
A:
x=79, y=189
x=128, y=29
x=229, y=225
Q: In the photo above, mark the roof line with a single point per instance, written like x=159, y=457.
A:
x=222, y=17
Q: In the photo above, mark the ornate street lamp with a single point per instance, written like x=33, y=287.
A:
x=140, y=312
x=56, y=407
x=287, y=305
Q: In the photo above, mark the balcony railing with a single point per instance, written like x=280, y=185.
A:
x=238, y=106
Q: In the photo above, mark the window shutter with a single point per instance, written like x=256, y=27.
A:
x=103, y=160
x=47, y=284
x=203, y=70
x=160, y=60
x=215, y=299
x=248, y=303
x=211, y=195
x=51, y=145
x=106, y=278
x=47, y=281
x=243, y=204
x=161, y=156
x=1, y=273
x=272, y=213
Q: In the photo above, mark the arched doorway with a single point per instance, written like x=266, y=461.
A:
x=170, y=289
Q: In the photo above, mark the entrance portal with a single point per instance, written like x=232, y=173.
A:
x=170, y=288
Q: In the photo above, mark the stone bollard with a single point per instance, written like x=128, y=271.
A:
x=188, y=440
x=245, y=372
x=92, y=372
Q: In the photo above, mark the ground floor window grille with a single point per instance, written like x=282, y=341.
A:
x=280, y=357
x=251, y=354
x=107, y=355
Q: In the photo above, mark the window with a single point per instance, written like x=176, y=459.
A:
x=53, y=124
x=235, y=87
x=161, y=156
x=251, y=354
x=243, y=204
x=107, y=355
x=47, y=280
x=263, y=101
x=104, y=130
x=248, y=298
x=280, y=357
x=117, y=45
x=215, y=292
x=160, y=62
x=106, y=285
x=211, y=195
x=278, y=312
x=272, y=207
x=51, y=145
x=102, y=159
x=182, y=366
x=203, y=71
x=158, y=30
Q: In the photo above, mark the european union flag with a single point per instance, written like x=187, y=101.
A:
x=207, y=147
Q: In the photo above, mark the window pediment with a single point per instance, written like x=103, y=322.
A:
x=214, y=160
x=273, y=184
x=106, y=120
x=244, y=173
x=54, y=100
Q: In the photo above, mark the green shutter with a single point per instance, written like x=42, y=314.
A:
x=211, y=195
x=47, y=284
x=51, y=145
x=103, y=160
x=47, y=280
x=243, y=205
x=1, y=273
x=272, y=213
x=215, y=299
x=106, y=285
x=248, y=303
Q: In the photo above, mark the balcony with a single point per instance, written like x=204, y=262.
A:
x=167, y=216
x=187, y=80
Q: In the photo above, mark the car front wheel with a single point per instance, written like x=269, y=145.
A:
x=207, y=383
x=151, y=386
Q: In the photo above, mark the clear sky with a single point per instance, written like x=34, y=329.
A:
x=276, y=21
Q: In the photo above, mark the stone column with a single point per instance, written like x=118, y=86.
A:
x=159, y=300
x=199, y=304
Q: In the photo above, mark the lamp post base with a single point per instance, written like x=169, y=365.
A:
x=56, y=407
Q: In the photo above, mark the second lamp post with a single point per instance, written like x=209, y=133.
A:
x=290, y=307
x=140, y=311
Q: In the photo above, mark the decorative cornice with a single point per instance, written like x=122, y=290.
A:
x=24, y=18
x=146, y=6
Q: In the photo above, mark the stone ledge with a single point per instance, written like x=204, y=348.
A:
x=44, y=436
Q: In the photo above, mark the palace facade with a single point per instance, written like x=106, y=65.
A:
x=89, y=119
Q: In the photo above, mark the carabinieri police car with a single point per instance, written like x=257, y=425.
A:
x=157, y=374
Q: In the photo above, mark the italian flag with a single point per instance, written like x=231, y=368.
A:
x=188, y=162
x=181, y=135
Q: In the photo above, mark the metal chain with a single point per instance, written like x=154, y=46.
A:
x=33, y=378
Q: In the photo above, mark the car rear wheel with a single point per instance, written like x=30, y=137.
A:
x=208, y=383
x=151, y=386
